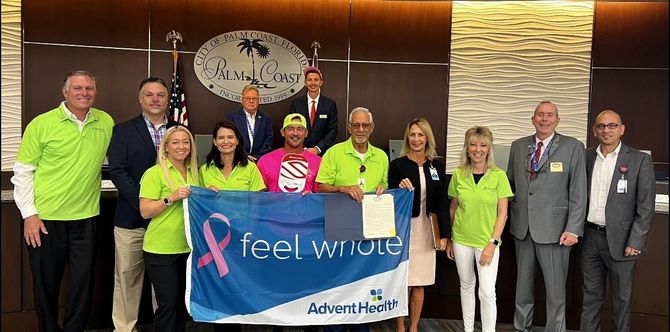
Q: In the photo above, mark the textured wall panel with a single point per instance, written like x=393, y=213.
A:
x=506, y=56
x=11, y=81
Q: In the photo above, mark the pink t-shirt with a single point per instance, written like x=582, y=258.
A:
x=289, y=172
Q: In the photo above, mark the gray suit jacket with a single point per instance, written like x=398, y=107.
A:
x=627, y=216
x=555, y=201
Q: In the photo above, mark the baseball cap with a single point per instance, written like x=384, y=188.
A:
x=312, y=69
x=289, y=120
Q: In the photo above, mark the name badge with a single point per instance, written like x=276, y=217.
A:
x=433, y=173
x=323, y=116
x=622, y=186
x=361, y=183
x=556, y=166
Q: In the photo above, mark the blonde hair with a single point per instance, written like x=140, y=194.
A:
x=423, y=124
x=250, y=87
x=481, y=134
x=191, y=160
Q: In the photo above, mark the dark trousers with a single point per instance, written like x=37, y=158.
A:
x=167, y=273
x=597, y=264
x=74, y=243
x=227, y=327
x=365, y=327
x=553, y=260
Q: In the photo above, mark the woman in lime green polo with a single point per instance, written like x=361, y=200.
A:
x=162, y=189
x=479, y=191
x=227, y=166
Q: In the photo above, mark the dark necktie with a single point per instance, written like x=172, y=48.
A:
x=312, y=113
x=535, y=163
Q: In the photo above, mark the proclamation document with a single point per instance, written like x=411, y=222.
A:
x=378, y=216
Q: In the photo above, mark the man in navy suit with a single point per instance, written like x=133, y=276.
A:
x=255, y=126
x=320, y=111
x=131, y=152
x=621, y=205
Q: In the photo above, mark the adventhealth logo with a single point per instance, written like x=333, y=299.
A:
x=362, y=307
x=376, y=294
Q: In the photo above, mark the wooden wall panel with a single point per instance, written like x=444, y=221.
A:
x=395, y=94
x=414, y=31
x=650, y=294
x=301, y=22
x=118, y=73
x=123, y=23
x=205, y=109
x=12, y=237
x=625, y=35
x=630, y=34
x=641, y=97
x=19, y=321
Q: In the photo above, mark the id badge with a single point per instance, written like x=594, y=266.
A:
x=622, y=186
x=433, y=174
x=361, y=183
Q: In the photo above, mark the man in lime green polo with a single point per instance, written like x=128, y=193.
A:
x=354, y=167
x=57, y=188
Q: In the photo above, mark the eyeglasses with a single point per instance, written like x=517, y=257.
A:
x=365, y=126
x=362, y=169
x=250, y=99
x=602, y=126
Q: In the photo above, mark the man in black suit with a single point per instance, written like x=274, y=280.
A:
x=320, y=111
x=255, y=126
x=131, y=152
x=621, y=205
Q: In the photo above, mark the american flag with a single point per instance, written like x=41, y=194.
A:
x=177, y=96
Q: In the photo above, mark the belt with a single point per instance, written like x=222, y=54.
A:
x=597, y=227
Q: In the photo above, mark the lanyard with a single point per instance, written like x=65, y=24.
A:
x=251, y=133
x=535, y=164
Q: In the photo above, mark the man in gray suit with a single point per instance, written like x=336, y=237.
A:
x=548, y=176
x=621, y=205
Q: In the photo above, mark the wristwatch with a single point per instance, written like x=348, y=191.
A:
x=167, y=201
x=495, y=242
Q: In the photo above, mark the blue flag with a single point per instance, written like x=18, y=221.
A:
x=261, y=258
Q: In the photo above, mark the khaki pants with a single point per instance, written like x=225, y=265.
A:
x=128, y=278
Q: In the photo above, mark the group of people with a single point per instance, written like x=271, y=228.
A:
x=558, y=195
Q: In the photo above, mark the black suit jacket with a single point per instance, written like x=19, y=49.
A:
x=262, y=132
x=131, y=152
x=436, y=191
x=324, y=131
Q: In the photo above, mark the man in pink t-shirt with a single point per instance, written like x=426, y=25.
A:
x=291, y=168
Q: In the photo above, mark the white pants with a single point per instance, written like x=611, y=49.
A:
x=466, y=259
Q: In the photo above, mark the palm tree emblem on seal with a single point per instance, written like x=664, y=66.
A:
x=251, y=45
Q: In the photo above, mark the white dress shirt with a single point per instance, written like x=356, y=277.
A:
x=251, y=124
x=601, y=180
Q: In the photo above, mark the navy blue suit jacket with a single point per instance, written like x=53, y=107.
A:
x=262, y=132
x=324, y=131
x=131, y=152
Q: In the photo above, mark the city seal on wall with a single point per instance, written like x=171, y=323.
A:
x=226, y=63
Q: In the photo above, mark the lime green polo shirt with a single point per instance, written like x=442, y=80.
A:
x=242, y=178
x=477, y=209
x=68, y=162
x=340, y=166
x=166, y=233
